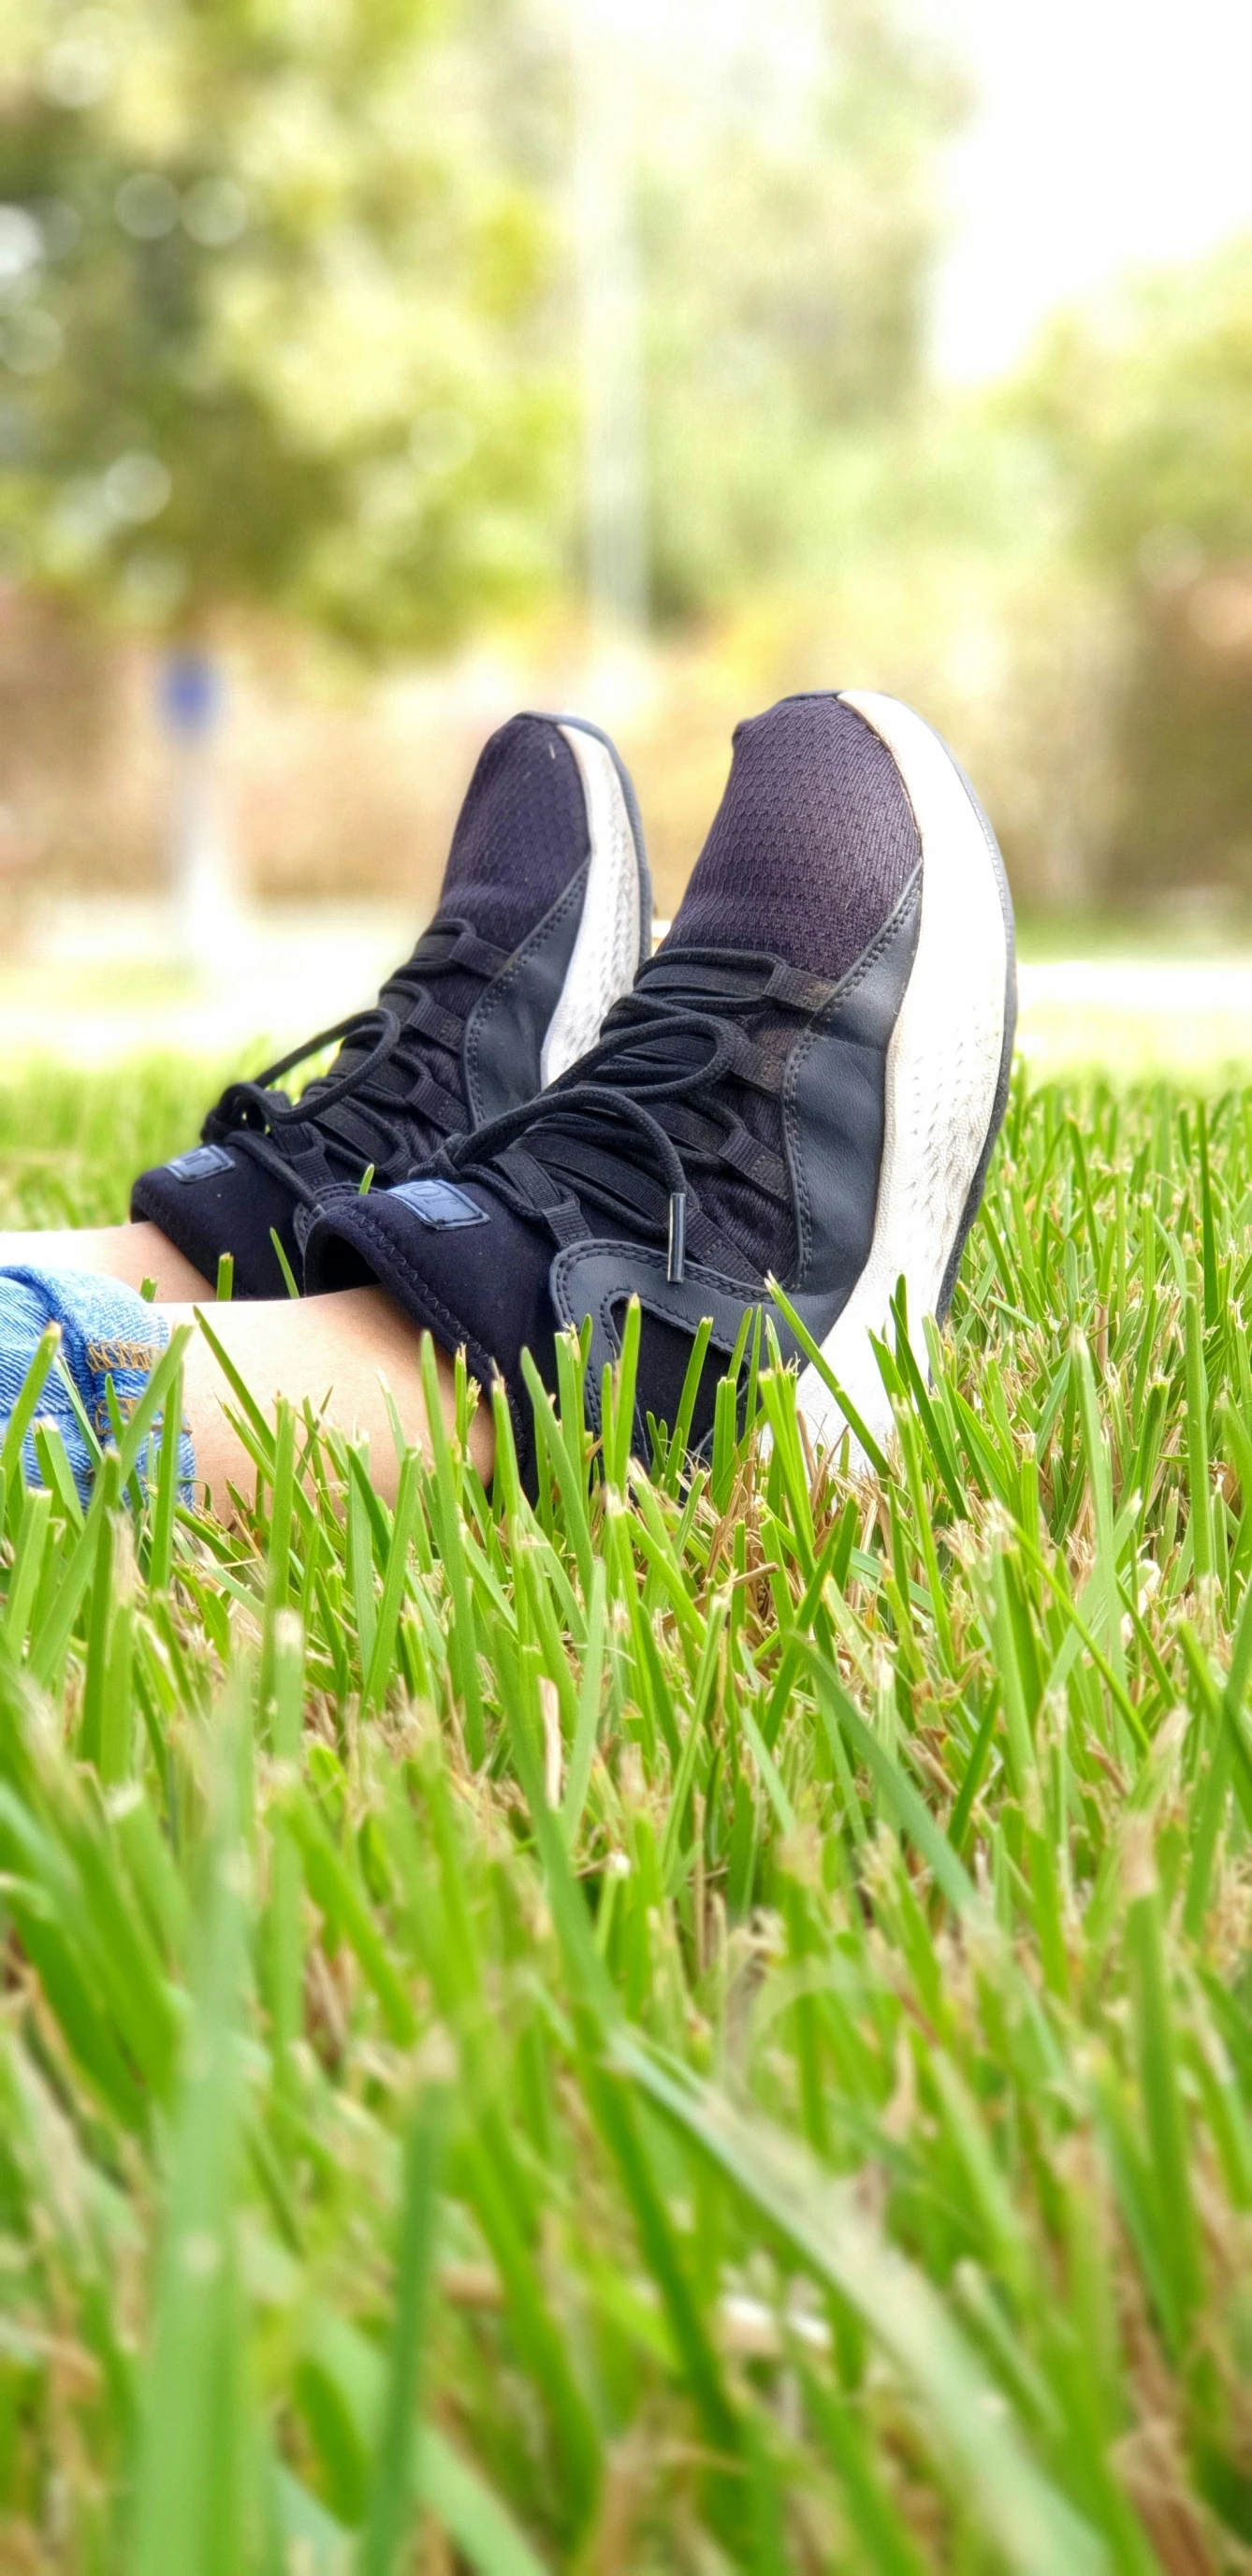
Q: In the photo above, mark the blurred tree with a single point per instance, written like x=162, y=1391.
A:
x=1146, y=409
x=790, y=217
x=262, y=297
x=287, y=296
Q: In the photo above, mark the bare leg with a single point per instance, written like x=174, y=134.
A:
x=339, y=1351
x=130, y=1252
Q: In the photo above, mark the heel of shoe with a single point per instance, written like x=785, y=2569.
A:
x=615, y=934
x=948, y=1064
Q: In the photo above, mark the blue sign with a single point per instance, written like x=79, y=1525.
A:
x=190, y=693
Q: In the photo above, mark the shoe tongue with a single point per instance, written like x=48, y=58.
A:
x=812, y=845
x=521, y=833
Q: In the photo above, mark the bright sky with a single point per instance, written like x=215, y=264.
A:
x=1110, y=134
x=1106, y=135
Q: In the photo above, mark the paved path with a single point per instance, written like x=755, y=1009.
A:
x=1192, y=1016
x=98, y=981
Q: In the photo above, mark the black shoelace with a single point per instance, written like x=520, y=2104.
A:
x=390, y=1106
x=653, y=1104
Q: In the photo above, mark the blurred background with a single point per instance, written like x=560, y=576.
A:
x=369, y=368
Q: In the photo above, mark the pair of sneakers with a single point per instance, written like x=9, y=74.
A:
x=541, y=1119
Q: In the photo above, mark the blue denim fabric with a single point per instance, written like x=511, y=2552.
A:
x=107, y=1331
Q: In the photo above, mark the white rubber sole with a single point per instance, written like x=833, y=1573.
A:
x=609, y=945
x=944, y=1069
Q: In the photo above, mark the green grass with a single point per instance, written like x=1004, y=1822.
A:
x=705, y=2025
x=70, y=1145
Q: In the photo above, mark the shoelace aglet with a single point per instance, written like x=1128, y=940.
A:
x=676, y=1249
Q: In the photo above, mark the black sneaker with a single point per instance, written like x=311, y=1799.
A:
x=805, y=1085
x=544, y=916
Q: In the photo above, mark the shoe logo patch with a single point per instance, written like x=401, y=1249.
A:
x=438, y=1203
x=200, y=1163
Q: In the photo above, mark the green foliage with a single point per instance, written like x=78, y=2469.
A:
x=703, y=2021
x=1149, y=411
x=1143, y=417
x=786, y=253
x=287, y=309
x=261, y=291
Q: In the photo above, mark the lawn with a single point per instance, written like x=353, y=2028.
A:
x=705, y=2025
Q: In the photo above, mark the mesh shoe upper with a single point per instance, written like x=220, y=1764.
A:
x=397, y=1089
x=812, y=849
x=690, y=1117
x=812, y=845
